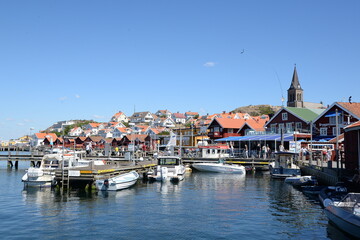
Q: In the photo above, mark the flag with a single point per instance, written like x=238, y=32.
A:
x=172, y=141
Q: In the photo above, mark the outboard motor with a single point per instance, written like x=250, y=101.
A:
x=106, y=183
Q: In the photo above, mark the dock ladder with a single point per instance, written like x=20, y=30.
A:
x=65, y=179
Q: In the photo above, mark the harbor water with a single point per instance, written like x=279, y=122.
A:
x=203, y=206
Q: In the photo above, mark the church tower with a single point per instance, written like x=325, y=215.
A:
x=295, y=92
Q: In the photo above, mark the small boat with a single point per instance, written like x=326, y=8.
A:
x=168, y=168
x=345, y=214
x=301, y=181
x=44, y=175
x=220, y=167
x=284, y=165
x=332, y=194
x=118, y=182
x=312, y=190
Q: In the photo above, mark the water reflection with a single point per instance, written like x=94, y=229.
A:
x=292, y=209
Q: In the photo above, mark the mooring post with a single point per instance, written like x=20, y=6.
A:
x=16, y=164
x=10, y=164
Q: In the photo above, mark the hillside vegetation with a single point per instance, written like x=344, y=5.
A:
x=257, y=110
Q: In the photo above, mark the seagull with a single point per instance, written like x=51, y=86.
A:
x=242, y=51
x=350, y=99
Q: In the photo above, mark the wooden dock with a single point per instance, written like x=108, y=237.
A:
x=81, y=177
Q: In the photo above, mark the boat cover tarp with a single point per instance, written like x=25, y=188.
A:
x=272, y=137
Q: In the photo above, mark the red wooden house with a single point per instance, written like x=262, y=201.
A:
x=325, y=123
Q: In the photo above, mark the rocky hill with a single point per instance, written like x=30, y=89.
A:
x=257, y=110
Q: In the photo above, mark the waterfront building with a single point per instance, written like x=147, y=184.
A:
x=352, y=147
x=226, y=127
x=325, y=123
x=292, y=119
x=38, y=138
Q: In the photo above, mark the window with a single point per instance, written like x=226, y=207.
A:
x=281, y=127
x=323, y=131
x=284, y=116
x=230, y=130
x=298, y=126
x=334, y=131
x=289, y=127
x=273, y=128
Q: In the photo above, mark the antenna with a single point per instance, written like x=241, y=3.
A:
x=282, y=95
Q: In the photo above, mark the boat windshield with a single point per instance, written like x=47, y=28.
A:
x=351, y=200
x=168, y=161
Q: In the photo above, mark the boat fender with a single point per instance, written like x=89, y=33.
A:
x=327, y=202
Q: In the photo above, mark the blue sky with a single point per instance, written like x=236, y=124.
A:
x=62, y=60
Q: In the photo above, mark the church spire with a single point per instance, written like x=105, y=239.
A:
x=295, y=84
x=295, y=92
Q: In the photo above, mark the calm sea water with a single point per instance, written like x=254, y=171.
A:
x=203, y=206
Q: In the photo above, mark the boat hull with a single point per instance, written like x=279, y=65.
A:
x=173, y=176
x=119, y=182
x=46, y=180
x=284, y=172
x=219, y=168
x=345, y=220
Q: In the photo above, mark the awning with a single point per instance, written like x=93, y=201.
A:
x=332, y=114
x=272, y=137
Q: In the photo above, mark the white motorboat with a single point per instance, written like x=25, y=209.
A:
x=284, y=165
x=346, y=214
x=44, y=175
x=168, y=168
x=118, y=182
x=220, y=167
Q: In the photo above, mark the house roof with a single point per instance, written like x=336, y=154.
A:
x=227, y=115
x=179, y=115
x=140, y=137
x=230, y=123
x=305, y=113
x=254, y=124
x=354, y=126
x=94, y=125
x=140, y=114
x=191, y=113
x=122, y=129
x=353, y=108
x=340, y=138
x=43, y=135
x=118, y=114
x=96, y=138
